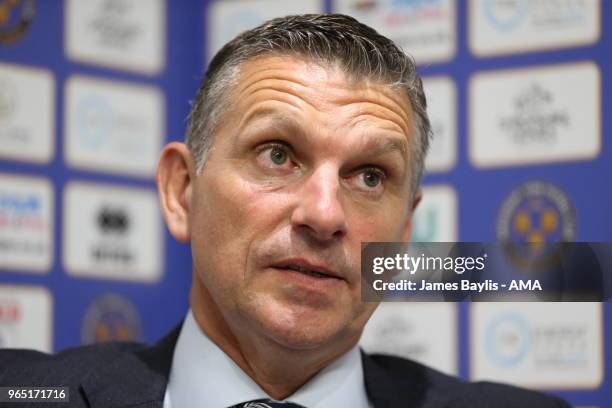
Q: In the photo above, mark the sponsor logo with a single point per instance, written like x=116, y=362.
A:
x=26, y=317
x=99, y=126
x=402, y=12
x=113, y=224
x=117, y=33
x=227, y=19
x=508, y=15
x=507, y=339
x=94, y=121
x=110, y=26
x=407, y=330
x=21, y=220
x=538, y=213
x=15, y=19
x=110, y=317
x=397, y=332
x=535, y=118
x=510, y=338
x=396, y=14
x=113, y=220
x=528, y=116
x=112, y=231
x=26, y=93
x=113, y=126
x=365, y=5
x=508, y=26
x=423, y=28
x=10, y=312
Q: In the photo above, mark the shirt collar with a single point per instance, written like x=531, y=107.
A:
x=203, y=375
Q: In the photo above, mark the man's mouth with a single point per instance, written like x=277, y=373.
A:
x=308, y=268
x=307, y=271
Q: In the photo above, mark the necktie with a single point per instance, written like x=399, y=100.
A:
x=267, y=403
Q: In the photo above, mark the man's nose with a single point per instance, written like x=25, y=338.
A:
x=319, y=211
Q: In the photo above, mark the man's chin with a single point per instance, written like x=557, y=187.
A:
x=301, y=327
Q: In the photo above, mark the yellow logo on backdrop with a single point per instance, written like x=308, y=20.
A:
x=15, y=19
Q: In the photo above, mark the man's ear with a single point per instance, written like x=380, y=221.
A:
x=175, y=174
x=408, y=226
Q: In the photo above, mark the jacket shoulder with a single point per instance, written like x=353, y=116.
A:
x=21, y=367
x=461, y=393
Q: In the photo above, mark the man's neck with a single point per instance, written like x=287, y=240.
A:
x=279, y=371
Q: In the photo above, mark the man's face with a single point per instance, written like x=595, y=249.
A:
x=304, y=167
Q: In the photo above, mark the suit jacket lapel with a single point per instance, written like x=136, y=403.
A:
x=137, y=378
x=390, y=386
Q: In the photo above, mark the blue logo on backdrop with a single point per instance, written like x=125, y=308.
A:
x=20, y=203
x=506, y=15
x=507, y=339
x=21, y=211
x=94, y=121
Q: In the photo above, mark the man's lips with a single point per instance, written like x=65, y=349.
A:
x=309, y=268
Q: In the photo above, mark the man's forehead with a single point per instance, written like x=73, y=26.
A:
x=319, y=84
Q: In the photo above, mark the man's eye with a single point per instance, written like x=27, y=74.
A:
x=275, y=156
x=372, y=178
x=278, y=156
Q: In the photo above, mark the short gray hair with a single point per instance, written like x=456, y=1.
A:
x=328, y=38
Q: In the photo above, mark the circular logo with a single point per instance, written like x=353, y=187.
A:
x=507, y=339
x=506, y=15
x=15, y=19
x=532, y=218
x=110, y=317
x=94, y=121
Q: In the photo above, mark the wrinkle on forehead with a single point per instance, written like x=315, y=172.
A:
x=303, y=83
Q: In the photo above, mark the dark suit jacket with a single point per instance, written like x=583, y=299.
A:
x=133, y=375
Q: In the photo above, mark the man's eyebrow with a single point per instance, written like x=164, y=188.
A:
x=269, y=114
x=379, y=145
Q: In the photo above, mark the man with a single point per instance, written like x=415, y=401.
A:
x=307, y=138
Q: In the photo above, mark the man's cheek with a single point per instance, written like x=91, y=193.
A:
x=374, y=229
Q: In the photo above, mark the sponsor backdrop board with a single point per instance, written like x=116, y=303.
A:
x=419, y=331
x=544, y=345
x=26, y=93
x=518, y=91
x=113, y=126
